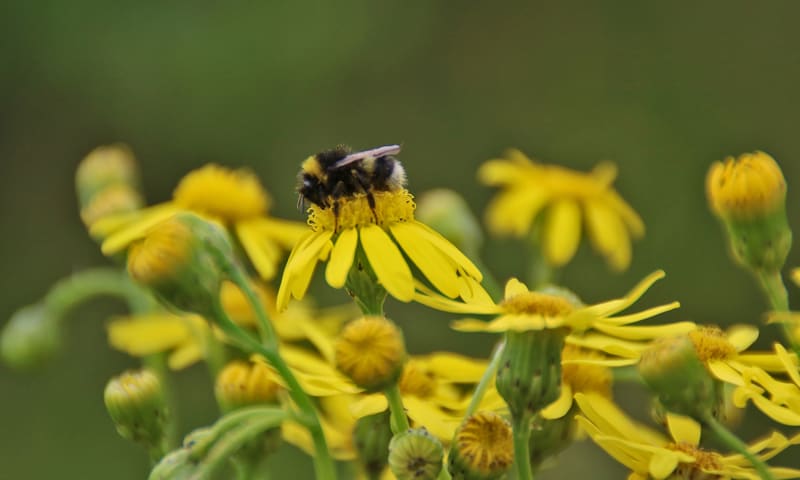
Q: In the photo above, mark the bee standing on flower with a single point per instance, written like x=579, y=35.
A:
x=330, y=175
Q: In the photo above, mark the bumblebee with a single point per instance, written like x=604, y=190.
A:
x=328, y=176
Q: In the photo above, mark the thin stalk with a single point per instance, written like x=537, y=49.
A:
x=264, y=325
x=157, y=364
x=486, y=378
x=323, y=463
x=734, y=443
x=522, y=438
x=82, y=286
x=399, y=421
x=225, y=447
x=778, y=298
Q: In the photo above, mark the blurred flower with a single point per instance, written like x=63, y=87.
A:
x=377, y=239
x=234, y=198
x=371, y=352
x=482, y=448
x=432, y=387
x=579, y=374
x=242, y=384
x=554, y=202
x=649, y=454
x=107, y=183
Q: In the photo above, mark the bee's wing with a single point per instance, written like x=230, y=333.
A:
x=374, y=152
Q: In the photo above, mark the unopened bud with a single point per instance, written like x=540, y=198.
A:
x=181, y=259
x=242, y=384
x=371, y=352
x=415, y=455
x=30, y=338
x=104, y=167
x=371, y=437
x=482, y=449
x=749, y=195
x=135, y=402
x=448, y=213
x=529, y=377
x=672, y=369
x=113, y=200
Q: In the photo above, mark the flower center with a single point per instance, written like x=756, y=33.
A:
x=583, y=377
x=390, y=207
x=534, y=303
x=229, y=195
x=704, y=461
x=710, y=343
x=485, y=442
x=416, y=380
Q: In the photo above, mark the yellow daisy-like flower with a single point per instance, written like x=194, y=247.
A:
x=745, y=187
x=433, y=389
x=183, y=336
x=779, y=400
x=651, y=455
x=523, y=310
x=234, y=198
x=563, y=202
x=386, y=236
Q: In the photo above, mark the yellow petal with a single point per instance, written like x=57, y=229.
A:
x=608, y=234
x=185, y=355
x=425, y=414
x=439, y=302
x=437, y=268
x=742, y=336
x=369, y=405
x=663, y=465
x=561, y=232
x=388, y=263
x=561, y=406
x=147, y=218
x=778, y=413
x=644, y=332
x=514, y=287
x=683, y=429
x=722, y=371
x=614, y=306
x=513, y=211
x=455, y=368
x=146, y=335
x=649, y=313
x=789, y=363
x=448, y=249
x=341, y=258
x=260, y=250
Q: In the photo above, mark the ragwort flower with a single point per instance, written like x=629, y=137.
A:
x=234, y=198
x=651, y=455
x=383, y=237
x=562, y=202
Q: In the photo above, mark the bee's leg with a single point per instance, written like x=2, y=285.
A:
x=371, y=202
x=335, y=208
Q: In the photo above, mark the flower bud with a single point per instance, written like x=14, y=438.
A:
x=371, y=352
x=549, y=437
x=749, y=195
x=135, y=401
x=30, y=338
x=448, y=213
x=182, y=260
x=482, y=449
x=371, y=437
x=104, y=167
x=415, y=455
x=672, y=369
x=111, y=201
x=242, y=384
x=529, y=377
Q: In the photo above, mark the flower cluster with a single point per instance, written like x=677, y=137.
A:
x=200, y=275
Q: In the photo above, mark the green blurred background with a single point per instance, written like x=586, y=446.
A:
x=663, y=89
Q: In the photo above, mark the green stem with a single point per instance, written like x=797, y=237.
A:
x=399, y=420
x=540, y=273
x=264, y=325
x=82, y=286
x=486, y=379
x=777, y=296
x=225, y=447
x=158, y=365
x=734, y=443
x=522, y=437
x=215, y=353
x=323, y=463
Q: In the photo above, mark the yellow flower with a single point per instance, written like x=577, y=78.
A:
x=649, y=454
x=234, y=198
x=384, y=239
x=142, y=335
x=371, y=352
x=242, y=384
x=779, y=400
x=562, y=202
x=482, y=447
x=432, y=387
x=523, y=310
